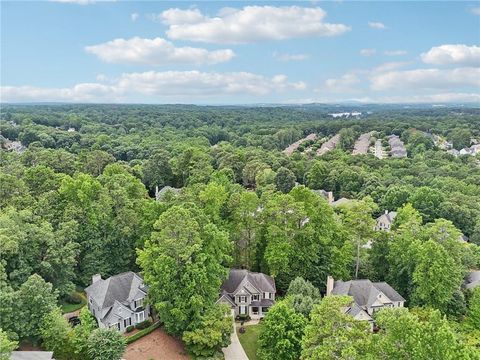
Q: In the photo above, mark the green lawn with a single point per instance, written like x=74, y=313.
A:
x=70, y=307
x=249, y=340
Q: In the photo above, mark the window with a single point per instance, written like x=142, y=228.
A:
x=90, y=300
x=270, y=296
x=243, y=310
x=139, y=317
x=127, y=322
x=255, y=297
x=255, y=310
x=243, y=299
x=264, y=310
x=115, y=326
x=137, y=303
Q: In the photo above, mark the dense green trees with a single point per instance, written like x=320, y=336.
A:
x=281, y=333
x=75, y=203
x=107, y=344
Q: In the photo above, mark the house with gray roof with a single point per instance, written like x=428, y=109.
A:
x=164, y=192
x=248, y=293
x=31, y=355
x=473, y=279
x=368, y=297
x=118, y=302
x=385, y=221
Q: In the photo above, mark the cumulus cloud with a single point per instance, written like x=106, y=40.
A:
x=376, y=25
x=427, y=79
x=134, y=16
x=249, y=24
x=475, y=11
x=395, y=52
x=452, y=54
x=345, y=83
x=165, y=86
x=368, y=52
x=156, y=51
x=290, y=57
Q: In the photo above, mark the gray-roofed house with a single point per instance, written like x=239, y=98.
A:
x=161, y=194
x=248, y=293
x=31, y=355
x=385, y=221
x=118, y=302
x=473, y=279
x=368, y=297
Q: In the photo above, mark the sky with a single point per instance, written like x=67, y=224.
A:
x=91, y=51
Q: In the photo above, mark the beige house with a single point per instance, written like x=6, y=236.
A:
x=248, y=293
x=385, y=221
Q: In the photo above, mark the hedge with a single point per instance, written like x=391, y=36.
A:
x=142, y=333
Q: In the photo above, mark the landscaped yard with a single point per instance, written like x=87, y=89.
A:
x=76, y=301
x=249, y=340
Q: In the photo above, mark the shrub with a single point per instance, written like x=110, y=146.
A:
x=129, y=328
x=144, y=324
x=74, y=298
x=142, y=333
x=243, y=318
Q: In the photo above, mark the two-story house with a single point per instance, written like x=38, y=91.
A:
x=248, y=293
x=367, y=297
x=385, y=221
x=118, y=302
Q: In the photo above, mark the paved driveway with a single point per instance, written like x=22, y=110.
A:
x=234, y=351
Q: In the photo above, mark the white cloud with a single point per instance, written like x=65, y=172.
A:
x=249, y=24
x=368, y=52
x=452, y=54
x=343, y=84
x=156, y=51
x=475, y=11
x=81, y=2
x=290, y=57
x=168, y=85
x=395, y=52
x=134, y=16
x=376, y=25
x=427, y=79
x=389, y=66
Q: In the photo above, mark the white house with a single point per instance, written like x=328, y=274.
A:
x=385, y=221
x=118, y=302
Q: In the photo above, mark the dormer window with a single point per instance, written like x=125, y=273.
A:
x=255, y=297
x=137, y=303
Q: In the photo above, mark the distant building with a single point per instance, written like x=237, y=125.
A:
x=32, y=355
x=473, y=279
x=118, y=302
x=385, y=221
x=397, y=148
x=329, y=145
x=342, y=202
x=160, y=194
x=368, y=297
x=328, y=195
x=248, y=293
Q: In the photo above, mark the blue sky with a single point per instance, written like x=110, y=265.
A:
x=239, y=52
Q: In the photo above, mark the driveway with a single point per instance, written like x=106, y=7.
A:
x=234, y=351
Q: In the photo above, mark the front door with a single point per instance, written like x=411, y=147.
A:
x=243, y=310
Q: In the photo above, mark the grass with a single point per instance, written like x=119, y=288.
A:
x=68, y=307
x=142, y=333
x=249, y=340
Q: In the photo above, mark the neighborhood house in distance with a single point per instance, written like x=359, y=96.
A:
x=368, y=297
x=248, y=293
x=118, y=302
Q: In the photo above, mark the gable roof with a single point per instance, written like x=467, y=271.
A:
x=387, y=217
x=364, y=292
x=260, y=281
x=473, y=279
x=122, y=288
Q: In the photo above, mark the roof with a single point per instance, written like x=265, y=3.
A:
x=160, y=194
x=260, y=281
x=473, y=279
x=122, y=288
x=341, y=201
x=31, y=355
x=388, y=217
x=364, y=292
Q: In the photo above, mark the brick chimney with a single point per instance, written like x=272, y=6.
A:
x=96, y=277
x=330, y=282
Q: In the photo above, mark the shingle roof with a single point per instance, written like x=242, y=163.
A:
x=31, y=355
x=260, y=281
x=121, y=287
x=473, y=279
x=364, y=292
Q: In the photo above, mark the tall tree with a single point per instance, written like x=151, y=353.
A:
x=281, y=334
x=184, y=262
x=106, y=344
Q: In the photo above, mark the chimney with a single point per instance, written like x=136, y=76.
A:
x=386, y=212
x=96, y=277
x=156, y=194
x=330, y=197
x=330, y=283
